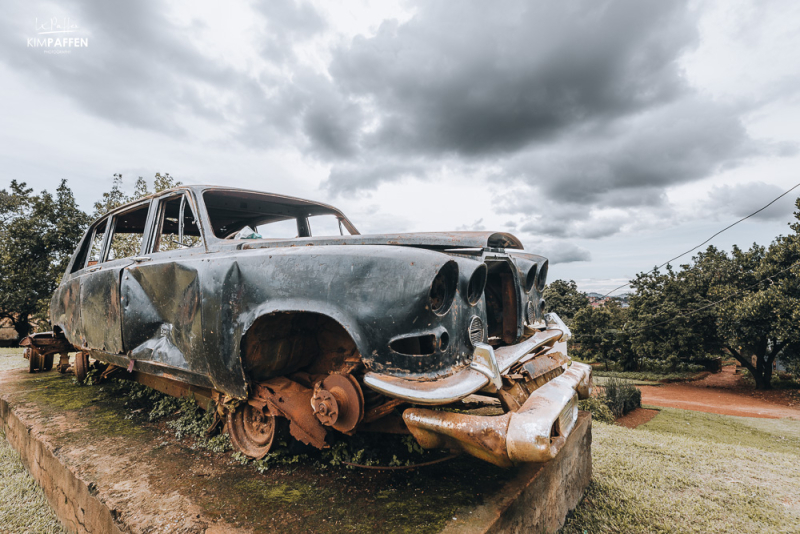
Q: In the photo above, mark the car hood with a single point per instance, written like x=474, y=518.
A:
x=438, y=240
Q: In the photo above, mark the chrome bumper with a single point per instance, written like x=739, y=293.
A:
x=486, y=369
x=534, y=433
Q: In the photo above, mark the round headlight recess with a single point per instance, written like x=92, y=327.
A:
x=443, y=288
x=530, y=278
x=477, y=283
x=475, y=330
x=541, y=277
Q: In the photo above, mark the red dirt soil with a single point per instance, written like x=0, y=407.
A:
x=637, y=417
x=724, y=393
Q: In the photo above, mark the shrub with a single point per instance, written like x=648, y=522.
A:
x=621, y=396
x=598, y=409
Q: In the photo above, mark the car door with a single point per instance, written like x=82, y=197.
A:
x=101, y=313
x=161, y=316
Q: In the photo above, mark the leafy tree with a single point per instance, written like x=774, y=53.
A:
x=746, y=303
x=660, y=326
x=38, y=234
x=116, y=196
x=564, y=298
x=125, y=245
x=599, y=333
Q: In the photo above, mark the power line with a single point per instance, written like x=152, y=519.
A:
x=719, y=301
x=715, y=235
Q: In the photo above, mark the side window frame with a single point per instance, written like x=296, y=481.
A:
x=86, y=245
x=157, y=223
x=112, y=229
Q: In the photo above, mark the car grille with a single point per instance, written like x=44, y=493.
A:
x=476, y=330
x=531, y=313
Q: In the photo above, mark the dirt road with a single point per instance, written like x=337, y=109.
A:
x=724, y=393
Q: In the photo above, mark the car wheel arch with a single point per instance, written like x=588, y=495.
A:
x=280, y=341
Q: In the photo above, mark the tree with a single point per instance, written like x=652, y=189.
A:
x=564, y=298
x=125, y=245
x=746, y=303
x=38, y=234
x=599, y=333
x=761, y=320
x=664, y=321
x=116, y=196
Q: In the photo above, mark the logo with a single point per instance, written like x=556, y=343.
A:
x=57, y=36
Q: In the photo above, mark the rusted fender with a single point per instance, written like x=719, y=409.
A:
x=535, y=433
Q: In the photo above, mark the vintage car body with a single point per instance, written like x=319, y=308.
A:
x=323, y=332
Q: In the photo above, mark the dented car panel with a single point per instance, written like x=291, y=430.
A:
x=330, y=332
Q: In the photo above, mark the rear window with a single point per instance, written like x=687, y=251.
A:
x=242, y=215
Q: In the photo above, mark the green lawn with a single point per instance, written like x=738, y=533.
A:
x=12, y=359
x=643, y=375
x=693, y=472
x=23, y=507
x=681, y=472
x=601, y=381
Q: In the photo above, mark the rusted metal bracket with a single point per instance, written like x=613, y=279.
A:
x=289, y=399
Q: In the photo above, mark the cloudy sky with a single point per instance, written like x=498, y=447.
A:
x=607, y=135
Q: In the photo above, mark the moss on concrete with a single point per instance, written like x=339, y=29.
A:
x=97, y=407
x=308, y=496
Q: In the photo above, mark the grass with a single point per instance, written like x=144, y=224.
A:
x=601, y=380
x=23, y=507
x=12, y=359
x=693, y=472
x=645, y=376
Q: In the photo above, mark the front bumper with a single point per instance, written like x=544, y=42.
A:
x=534, y=433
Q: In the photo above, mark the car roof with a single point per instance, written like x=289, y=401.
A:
x=200, y=189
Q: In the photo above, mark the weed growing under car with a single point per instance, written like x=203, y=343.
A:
x=185, y=419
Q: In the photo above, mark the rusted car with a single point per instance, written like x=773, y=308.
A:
x=275, y=312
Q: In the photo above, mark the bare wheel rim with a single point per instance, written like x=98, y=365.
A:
x=252, y=432
x=47, y=362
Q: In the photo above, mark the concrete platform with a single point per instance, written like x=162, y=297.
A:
x=103, y=472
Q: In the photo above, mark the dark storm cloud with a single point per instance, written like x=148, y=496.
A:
x=470, y=80
x=578, y=102
x=474, y=79
x=142, y=69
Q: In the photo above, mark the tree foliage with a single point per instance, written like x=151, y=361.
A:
x=599, y=333
x=746, y=304
x=116, y=196
x=38, y=234
x=563, y=297
x=126, y=245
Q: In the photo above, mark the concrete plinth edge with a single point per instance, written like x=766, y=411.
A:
x=70, y=497
x=540, y=500
x=534, y=497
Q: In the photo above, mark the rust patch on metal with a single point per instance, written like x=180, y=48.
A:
x=290, y=399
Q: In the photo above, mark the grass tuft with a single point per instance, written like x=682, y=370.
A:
x=23, y=507
x=693, y=472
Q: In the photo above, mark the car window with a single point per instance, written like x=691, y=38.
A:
x=127, y=233
x=96, y=252
x=278, y=230
x=91, y=248
x=270, y=216
x=172, y=235
x=325, y=225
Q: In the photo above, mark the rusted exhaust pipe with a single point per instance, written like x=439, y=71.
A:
x=534, y=433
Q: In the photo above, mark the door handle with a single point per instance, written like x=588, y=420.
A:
x=140, y=259
x=93, y=269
